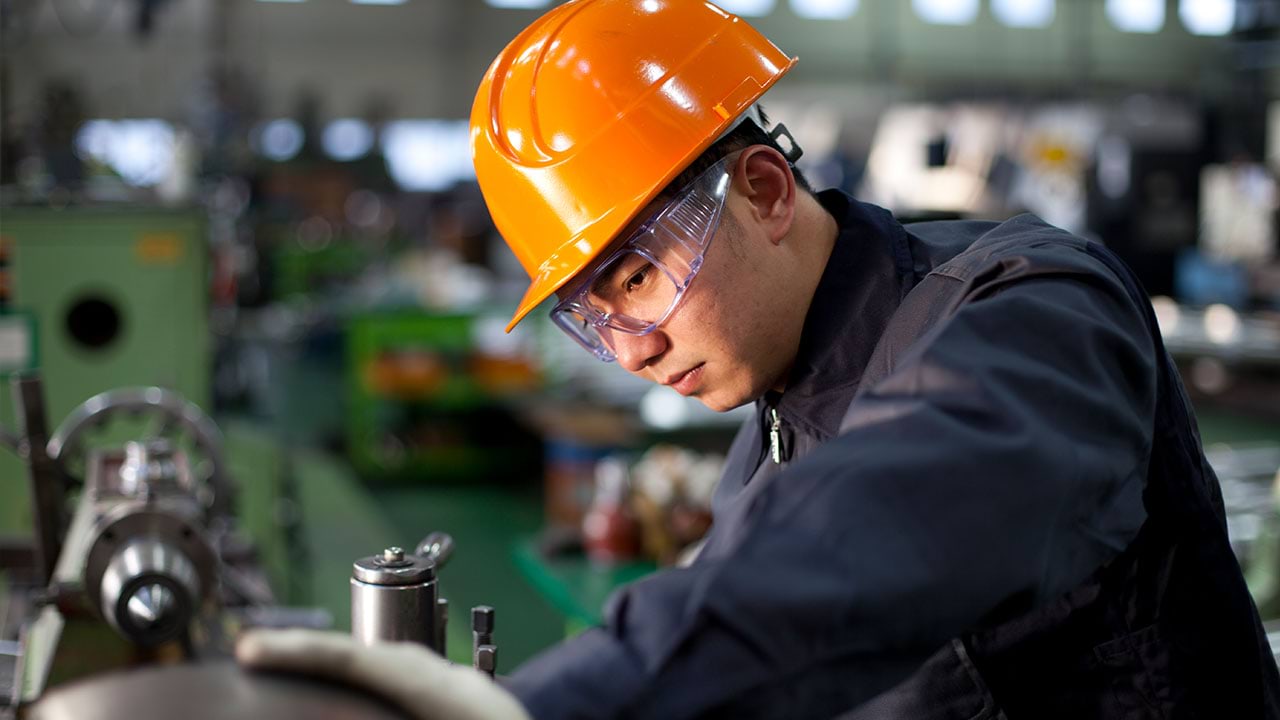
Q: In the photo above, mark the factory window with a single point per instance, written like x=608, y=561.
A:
x=1024, y=13
x=428, y=155
x=140, y=151
x=748, y=8
x=1138, y=16
x=946, y=12
x=1208, y=17
x=824, y=9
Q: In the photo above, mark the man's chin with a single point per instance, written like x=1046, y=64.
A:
x=721, y=404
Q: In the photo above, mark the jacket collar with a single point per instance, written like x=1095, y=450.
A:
x=869, y=272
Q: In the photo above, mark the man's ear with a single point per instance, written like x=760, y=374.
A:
x=764, y=178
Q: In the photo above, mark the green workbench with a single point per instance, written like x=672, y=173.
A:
x=575, y=586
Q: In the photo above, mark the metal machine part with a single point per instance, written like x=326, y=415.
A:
x=394, y=598
x=206, y=692
x=484, y=653
x=436, y=546
x=149, y=591
x=148, y=548
x=148, y=566
x=47, y=481
x=175, y=417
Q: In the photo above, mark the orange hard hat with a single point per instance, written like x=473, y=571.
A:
x=586, y=115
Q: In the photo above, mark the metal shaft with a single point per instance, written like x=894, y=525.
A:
x=45, y=477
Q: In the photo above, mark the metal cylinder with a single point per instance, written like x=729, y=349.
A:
x=150, y=591
x=148, y=568
x=393, y=598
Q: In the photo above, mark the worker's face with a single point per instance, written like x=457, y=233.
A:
x=734, y=334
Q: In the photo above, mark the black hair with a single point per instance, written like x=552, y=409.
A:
x=741, y=137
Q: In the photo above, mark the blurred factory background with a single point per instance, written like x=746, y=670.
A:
x=268, y=208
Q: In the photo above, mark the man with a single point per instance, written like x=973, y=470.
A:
x=972, y=487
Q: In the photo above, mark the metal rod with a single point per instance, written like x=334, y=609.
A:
x=45, y=477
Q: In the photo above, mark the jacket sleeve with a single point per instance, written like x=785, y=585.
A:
x=1000, y=463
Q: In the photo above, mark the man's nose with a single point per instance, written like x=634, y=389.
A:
x=635, y=352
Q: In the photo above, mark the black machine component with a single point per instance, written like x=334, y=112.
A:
x=484, y=653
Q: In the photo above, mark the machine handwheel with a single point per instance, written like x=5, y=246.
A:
x=167, y=415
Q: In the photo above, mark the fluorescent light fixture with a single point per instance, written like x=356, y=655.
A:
x=518, y=4
x=1024, y=13
x=946, y=12
x=1208, y=17
x=347, y=139
x=824, y=9
x=428, y=155
x=279, y=139
x=1136, y=16
x=140, y=151
x=748, y=8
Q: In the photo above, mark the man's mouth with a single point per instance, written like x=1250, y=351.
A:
x=686, y=382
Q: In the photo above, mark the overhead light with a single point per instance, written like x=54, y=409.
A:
x=748, y=8
x=1136, y=16
x=946, y=12
x=1208, y=17
x=347, y=139
x=517, y=4
x=1024, y=13
x=1221, y=324
x=279, y=139
x=824, y=9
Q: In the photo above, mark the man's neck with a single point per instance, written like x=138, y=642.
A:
x=814, y=232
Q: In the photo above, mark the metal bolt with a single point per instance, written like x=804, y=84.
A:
x=482, y=620
x=393, y=554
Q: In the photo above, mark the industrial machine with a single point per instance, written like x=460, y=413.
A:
x=111, y=296
x=138, y=580
x=136, y=555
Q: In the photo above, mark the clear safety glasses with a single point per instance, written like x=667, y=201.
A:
x=638, y=287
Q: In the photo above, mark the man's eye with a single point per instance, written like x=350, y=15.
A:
x=637, y=278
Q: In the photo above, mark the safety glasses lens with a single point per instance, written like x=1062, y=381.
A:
x=643, y=283
x=634, y=286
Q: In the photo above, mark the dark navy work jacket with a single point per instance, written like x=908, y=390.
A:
x=981, y=495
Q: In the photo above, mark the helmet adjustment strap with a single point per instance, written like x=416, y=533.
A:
x=792, y=150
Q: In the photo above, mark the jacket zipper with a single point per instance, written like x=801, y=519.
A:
x=775, y=436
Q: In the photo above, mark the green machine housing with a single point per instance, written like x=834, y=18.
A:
x=110, y=297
